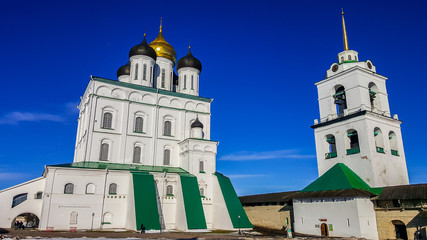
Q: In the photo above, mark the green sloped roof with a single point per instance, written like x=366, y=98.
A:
x=124, y=167
x=340, y=177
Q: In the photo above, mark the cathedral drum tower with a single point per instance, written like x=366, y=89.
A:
x=356, y=127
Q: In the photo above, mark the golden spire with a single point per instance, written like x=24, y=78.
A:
x=163, y=48
x=344, y=32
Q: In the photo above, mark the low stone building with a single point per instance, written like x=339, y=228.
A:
x=400, y=211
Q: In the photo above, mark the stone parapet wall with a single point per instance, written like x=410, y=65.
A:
x=411, y=219
x=271, y=216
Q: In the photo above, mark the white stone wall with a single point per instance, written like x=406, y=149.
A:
x=126, y=104
x=31, y=205
x=351, y=216
x=57, y=206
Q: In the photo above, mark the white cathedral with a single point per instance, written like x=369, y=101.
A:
x=143, y=156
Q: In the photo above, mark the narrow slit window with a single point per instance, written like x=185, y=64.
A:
x=103, y=156
x=136, y=71
x=202, y=192
x=201, y=167
x=167, y=157
x=137, y=154
x=144, y=72
x=192, y=82
x=185, y=81
x=163, y=78
x=167, y=128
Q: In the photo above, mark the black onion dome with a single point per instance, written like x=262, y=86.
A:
x=197, y=123
x=189, y=61
x=143, y=49
x=124, y=70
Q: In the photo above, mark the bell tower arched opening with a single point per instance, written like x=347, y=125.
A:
x=340, y=100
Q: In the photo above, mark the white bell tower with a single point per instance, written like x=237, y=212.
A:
x=356, y=127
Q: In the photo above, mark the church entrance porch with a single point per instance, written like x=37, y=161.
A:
x=324, y=230
x=28, y=220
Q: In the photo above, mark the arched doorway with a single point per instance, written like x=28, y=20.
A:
x=400, y=229
x=28, y=220
x=324, y=230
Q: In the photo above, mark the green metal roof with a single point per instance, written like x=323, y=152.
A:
x=340, y=177
x=150, y=89
x=123, y=167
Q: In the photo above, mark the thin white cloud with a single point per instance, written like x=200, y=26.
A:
x=71, y=107
x=12, y=176
x=17, y=117
x=236, y=176
x=267, y=155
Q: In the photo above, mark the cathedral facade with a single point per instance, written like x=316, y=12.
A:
x=143, y=156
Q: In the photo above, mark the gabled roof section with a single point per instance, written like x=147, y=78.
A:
x=122, y=167
x=340, y=177
x=151, y=89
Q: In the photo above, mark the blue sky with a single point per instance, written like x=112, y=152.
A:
x=260, y=62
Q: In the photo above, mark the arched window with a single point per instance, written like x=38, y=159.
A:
x=69, y=188
x=349, y=57
x=136, y=71
x=137, y=154
x=355, y=58
x=90, y=188
x=163, y=78
x=107, y=120
x=108, y=218
x=18, y=199
x=340, y=100
x=192, y=82
x=169, y=190
x=353, y=142
x=373, y=99
x=379, y=140
x=144, y=72
x=112, y=189
x=139, y=124
x=185, y=81
x=202, y=192
x=393, y=143
x=342, y=59
x=201, y=167
x=166, y=157
x=167, y=128
x=151, y=74
x=103, y=156
x=73, y=218
x=332, y=148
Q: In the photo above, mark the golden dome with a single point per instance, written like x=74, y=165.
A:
x=163, y=48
